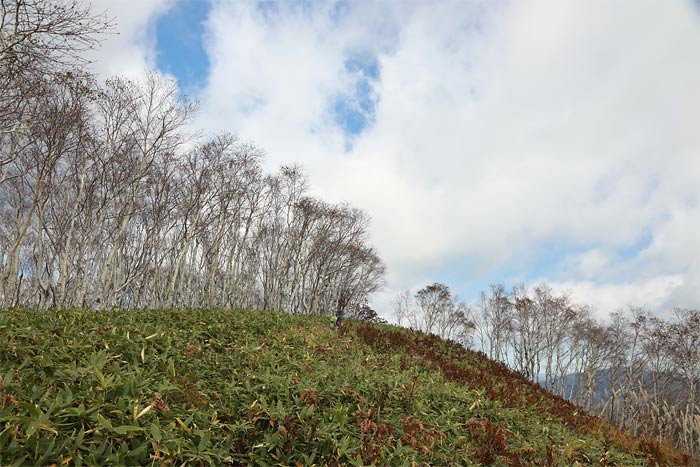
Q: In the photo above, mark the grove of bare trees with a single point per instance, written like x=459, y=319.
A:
x=107, y=199
x=435, y=310
x=636, y=370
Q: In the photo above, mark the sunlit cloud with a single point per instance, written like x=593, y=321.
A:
x=508, y=141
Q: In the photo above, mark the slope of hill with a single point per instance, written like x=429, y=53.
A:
x=213, y=387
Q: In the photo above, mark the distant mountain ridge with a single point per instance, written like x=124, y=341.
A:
x=605, y=383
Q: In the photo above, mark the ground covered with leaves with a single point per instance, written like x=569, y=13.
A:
x=238, y=388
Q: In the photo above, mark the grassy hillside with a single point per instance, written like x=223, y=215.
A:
x=201, y=387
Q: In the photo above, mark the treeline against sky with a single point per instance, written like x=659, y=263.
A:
x=635, y=370
x=107, y=199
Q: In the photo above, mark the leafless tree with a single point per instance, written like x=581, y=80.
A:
x=33, y=173
x=38, y=39
x=494, y=323
x=636, y=370
x=434, y=309
x=683, y=348
x=403, y=303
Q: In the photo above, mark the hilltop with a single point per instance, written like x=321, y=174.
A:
x=215, y=387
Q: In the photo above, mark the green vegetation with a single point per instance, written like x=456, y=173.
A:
x=201, y=387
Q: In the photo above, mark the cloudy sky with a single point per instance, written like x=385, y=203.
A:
x=490, y=141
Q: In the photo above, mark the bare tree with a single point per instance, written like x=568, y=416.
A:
x=495, y=321
x=63, y=105
x=42, y=35
x=434, y=309
x=38, y=38
x=683, y=347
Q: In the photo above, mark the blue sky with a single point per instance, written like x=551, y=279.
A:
x=490, y=142
x=354, y=111
x=180, y=49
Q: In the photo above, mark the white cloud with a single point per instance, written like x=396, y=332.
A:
x=130, y=48
x=273, y=72
x=499, y=127
x=592, y=263
x=651, y=294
